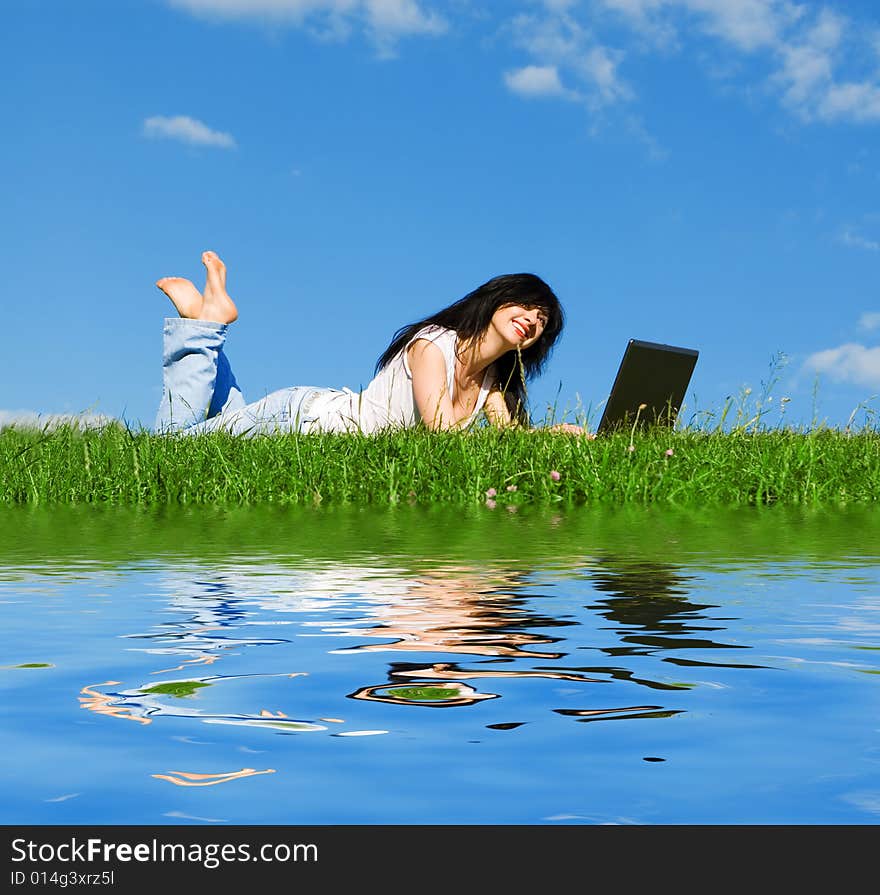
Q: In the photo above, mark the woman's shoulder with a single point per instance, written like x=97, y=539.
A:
x=432, y=333
x=445, y=339
x=440, y=336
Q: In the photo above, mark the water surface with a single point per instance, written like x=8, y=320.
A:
x=429, y=666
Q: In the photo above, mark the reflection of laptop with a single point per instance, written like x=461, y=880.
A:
x=650, y=374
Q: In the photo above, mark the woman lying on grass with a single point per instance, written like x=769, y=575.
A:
x=473, y=356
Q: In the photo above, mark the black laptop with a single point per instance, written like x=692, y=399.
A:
x=650, y=374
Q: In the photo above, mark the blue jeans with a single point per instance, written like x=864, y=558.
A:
x=200, y=393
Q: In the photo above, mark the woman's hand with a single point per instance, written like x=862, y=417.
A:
x=571, y=429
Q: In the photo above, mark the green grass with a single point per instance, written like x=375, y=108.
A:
x=178, y=689
x=424, y=694
x=114, y=466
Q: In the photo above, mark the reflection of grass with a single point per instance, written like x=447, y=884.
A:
x=176, y=688
x=746, y=465
x=34, y=665
x=423, y=694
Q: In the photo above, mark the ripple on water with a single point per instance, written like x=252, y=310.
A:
x=737, y=674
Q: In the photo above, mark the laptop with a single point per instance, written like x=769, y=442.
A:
x=651, y=374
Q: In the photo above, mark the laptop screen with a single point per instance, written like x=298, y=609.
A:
x=651, y=374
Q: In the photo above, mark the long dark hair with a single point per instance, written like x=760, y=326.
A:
x=470, y=318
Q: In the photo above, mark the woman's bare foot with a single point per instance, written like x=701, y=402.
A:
x=184, y=295
x=218, y=306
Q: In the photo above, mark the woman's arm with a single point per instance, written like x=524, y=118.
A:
x=428, y=367
x=497, y=411
x=499, y=416
x=571, y=429
x=431, y=395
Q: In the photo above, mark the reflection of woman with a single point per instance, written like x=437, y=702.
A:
x=455, y=612
x=473, y=356
x=459, y=611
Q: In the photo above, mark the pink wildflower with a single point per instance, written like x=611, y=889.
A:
x=669, y=452
x=555, y=475
x=511, y=487
x=491, y=493
x=491, y=504
x=631, y=448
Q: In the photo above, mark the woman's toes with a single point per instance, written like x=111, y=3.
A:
x=169, y=285
x=186, y=298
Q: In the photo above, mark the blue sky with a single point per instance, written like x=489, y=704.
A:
x=697, y=172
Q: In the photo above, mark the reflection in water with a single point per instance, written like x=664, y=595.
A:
x=490, y=615
x=202, y=660
x=105, y=704
x=184, y=778
x=524, y=651
x=444, y=671
x=144, y=703
x=649, y=607
x=210, y=606
x=650, y=612
x=437, y=696
x=621, y=714
x=458, y=611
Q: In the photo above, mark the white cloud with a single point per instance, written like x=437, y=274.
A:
x=389, y=20
x=807, y=74
x=293, y=11
x=535, y=81
x=31, y=419
x=807, y=66
x=384, y=20
x=851, y=362
x=637, y=14
x=810, y=54
x=858, y=101
x=848, y=238
x=557, y=41
x=560, y=5
x=803, y=44
x=402, y=17
x=869, y=320
x=557, y=37
x=599, y=66
x=187, y=130
x=747, y=24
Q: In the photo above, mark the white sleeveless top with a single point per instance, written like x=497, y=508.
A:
x=387, y=402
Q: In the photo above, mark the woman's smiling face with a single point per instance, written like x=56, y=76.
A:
x=518, y=325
